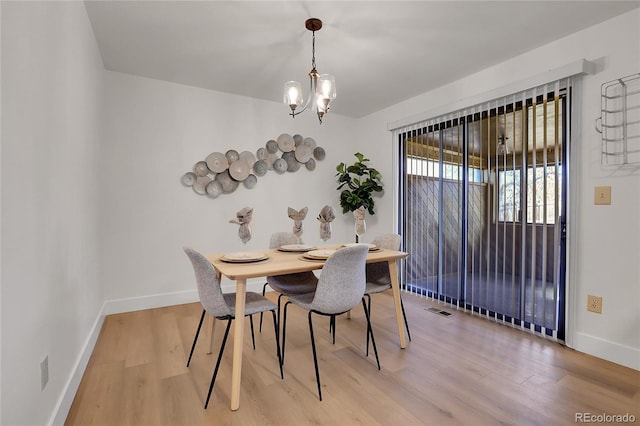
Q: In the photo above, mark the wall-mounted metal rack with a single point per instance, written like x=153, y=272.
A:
x=619, y=122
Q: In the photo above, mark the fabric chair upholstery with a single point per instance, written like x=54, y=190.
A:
x=340, y=287
x=378, y=276
x=222, y=306
x=289, y=284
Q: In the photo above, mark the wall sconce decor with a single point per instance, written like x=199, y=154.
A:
x=222, y=173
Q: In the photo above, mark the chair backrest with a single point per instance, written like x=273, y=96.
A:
x=342, y=281
x=378, y=273
x=209, y=289
x=283, y=238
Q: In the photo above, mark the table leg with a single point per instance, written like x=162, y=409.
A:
x=238, y=338
x=213, y=322
x=213, y=328
x=395, y=288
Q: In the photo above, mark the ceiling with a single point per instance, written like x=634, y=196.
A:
x=381, y=52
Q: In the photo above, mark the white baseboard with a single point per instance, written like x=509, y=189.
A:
x=131, y=304
x=605, y=349
x=117, y=306
x=71, y=387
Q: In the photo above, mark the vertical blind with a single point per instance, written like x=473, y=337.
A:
x=481, y=205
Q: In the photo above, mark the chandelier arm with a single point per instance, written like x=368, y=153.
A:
x=313, y=80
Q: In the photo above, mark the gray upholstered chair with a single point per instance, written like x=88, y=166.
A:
x=222, y=306
x=378, y=277
x=340, y=287
x=289, y=284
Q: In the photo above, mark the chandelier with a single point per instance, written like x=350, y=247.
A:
x=322, y=86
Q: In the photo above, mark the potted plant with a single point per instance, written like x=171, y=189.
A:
x=357, y=184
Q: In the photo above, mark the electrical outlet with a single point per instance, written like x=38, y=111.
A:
x=594, y=304
x=44, y=372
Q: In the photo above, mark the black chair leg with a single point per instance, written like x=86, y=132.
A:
x=275, y=328
x=253, y=338
x=215, y=372
x=195, y=339
x=370, y=331
x=315, y=356
x=333, y=328
x=284, y=329
x=279, y=302
x=367, y=307
x=406, y=324
x=264, y=288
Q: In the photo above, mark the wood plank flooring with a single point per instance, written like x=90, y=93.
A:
x=458, y=370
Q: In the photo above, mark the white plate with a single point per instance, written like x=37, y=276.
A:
x=243, y=257
x=319, y=254
x=372, y=247
x=298, y=248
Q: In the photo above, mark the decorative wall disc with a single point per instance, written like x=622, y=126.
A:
x=292, y=164
x=239, y=170
x=250, y=181
x=228, y=184
x=272, y=146
x=214, y=189
x=309, y=142
x=201, y=169
x=201, y=184
x=232, y=155
x=189, y=179
x=271, y=158
x=303, y=153
x=217, y=162
x=248, y=157
x=260, y=168
x=318, y=153
x=280, y=165
x=310, y=165
x=286, y=142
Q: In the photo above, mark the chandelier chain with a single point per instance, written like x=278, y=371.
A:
x=313, y=51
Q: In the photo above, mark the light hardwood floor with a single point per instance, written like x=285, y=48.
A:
x=457, y=370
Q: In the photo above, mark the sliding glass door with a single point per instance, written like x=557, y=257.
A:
x=483, y=191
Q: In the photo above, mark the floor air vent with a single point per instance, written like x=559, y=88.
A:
x=439, y=312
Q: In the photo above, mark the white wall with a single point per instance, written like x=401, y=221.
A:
x=155, y=132
x=605, y=244
x=51, y=104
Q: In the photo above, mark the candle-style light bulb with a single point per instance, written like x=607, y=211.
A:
x=292, y=94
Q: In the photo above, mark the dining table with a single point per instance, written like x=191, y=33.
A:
x=275, y=262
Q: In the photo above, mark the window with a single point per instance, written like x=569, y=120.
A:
x=509, y=195
x=543, y=190
x=430, y=168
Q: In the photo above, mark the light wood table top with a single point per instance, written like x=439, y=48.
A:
x=280, y=262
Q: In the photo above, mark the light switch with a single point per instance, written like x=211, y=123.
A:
x=602, y=195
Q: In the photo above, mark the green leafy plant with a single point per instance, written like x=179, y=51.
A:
x=358, y=182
